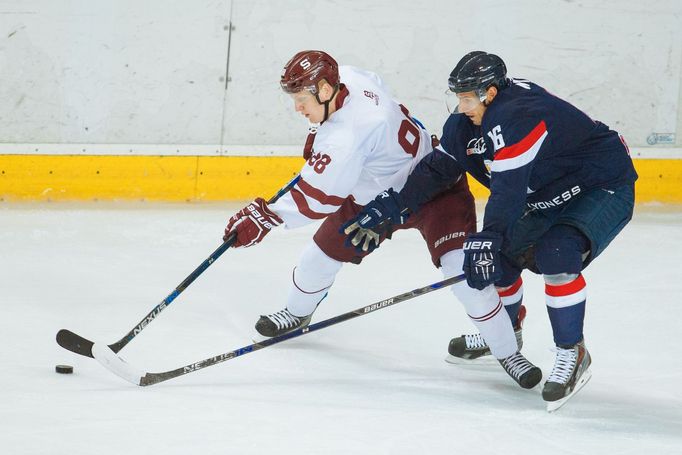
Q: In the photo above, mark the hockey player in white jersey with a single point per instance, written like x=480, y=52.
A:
x=365, y=142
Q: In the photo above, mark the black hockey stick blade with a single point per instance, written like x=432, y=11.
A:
x=79, y=345
x=74, y=343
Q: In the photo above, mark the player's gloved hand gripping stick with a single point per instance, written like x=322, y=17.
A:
x=251, y=224
x=79, y=345
x=482, y=259
x=363, y=232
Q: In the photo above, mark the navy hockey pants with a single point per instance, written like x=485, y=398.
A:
x=596, y=215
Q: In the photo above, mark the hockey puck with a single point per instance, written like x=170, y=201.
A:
x=64, y=369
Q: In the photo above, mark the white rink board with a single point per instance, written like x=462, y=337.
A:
x=154, y=72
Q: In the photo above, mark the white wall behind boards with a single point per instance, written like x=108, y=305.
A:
x=112, y=71
x=154, y=72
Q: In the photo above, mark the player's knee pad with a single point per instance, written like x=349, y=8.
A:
x=560, y=250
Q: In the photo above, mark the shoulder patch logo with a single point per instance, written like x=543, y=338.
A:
x=476, y=146
x=523, y=83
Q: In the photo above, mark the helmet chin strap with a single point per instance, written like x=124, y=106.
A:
x=326, y=103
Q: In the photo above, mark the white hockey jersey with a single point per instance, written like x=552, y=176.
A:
x=368, y=145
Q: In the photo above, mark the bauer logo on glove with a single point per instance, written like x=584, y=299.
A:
x=477, y=245
x=484, y=262
x=265, y=222
x=251, y=224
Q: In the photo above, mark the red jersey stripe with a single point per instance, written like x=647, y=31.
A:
x=303, y=206
x=523, y=145
x=562, y=290
x=319, y=195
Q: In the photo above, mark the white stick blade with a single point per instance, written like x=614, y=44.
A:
x=109, y=360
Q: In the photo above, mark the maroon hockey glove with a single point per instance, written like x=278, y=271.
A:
x=252, y=223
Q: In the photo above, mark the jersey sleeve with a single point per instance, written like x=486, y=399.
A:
x=435, y=173
x=438, y=170
x=519, y=143
x=327, y=179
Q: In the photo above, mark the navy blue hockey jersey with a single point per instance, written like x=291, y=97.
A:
x=533, y=150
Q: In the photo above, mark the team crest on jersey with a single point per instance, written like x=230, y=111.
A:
x=372, y=96
x=476, y=147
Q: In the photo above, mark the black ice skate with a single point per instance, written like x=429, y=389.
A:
x=466, y=348
x=570, y=373
x=521, y=370
x=280, y=323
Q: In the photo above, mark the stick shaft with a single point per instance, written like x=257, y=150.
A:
x=192, y=276
x=79, y=345
x=155, y=378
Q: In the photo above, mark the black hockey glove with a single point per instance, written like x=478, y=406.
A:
x=386, y=207
x=482, y=259
x=363, y=231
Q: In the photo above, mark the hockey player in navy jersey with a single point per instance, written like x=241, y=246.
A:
x=562, y=187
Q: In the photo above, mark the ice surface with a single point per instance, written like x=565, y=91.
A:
x=373, y=385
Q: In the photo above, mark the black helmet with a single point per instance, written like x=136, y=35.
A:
x=477, y=71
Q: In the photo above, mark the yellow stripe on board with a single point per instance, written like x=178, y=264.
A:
x=214, y=178
x=154, y=178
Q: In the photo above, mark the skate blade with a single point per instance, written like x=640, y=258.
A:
x=553, y=406
x=484, y=360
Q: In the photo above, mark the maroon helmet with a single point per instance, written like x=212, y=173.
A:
x=306, y=69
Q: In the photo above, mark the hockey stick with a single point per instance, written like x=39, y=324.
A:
x=108, y=358
x=76, y=343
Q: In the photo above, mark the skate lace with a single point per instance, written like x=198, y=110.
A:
x=516, y=365
x=475, y=341
x=284, y=320
x=563, y=365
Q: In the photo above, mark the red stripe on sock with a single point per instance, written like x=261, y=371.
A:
x=562, y=290
x=512, y=289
